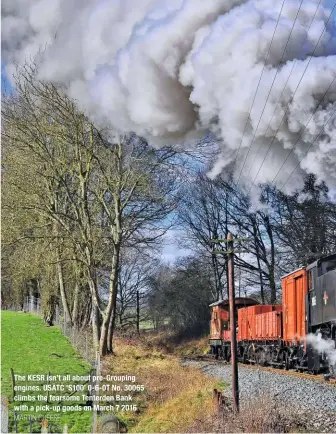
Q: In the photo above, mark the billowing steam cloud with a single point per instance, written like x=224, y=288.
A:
x=323, y=346
x=171, y=70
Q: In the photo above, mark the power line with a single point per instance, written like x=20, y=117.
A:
x=324, y=95
x=262, y=72
x=269, y=93
x=298, y=164
x=308, y=63
x=293, y=64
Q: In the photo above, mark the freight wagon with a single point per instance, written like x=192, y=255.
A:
x=291, y=335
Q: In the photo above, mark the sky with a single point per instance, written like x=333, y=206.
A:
x=5, y=84
x=171, y=249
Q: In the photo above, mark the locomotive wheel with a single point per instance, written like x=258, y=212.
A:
x=287, y=364
x=261, y=358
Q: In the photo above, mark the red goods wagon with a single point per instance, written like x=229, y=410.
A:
x=219, y=323
x=247, y=320
x=268, y=325
x=226, y=335
x=220, y=317
x=275, y=335
x=294, y=290
x=242, y=324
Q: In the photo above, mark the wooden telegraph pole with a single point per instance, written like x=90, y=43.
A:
x=235, y=387
x=229, y=240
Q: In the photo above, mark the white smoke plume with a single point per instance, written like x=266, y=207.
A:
x=323, y=346
x=172, y=70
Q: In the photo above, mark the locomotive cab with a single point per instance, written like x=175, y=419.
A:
x=321, y=311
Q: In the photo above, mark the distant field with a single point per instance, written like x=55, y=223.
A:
x=148, y=325
x=29, y=346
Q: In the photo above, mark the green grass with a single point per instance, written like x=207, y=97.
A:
x=146, y=325
x=29, y=346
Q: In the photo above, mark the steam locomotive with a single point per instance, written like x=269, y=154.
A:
x=298, y=334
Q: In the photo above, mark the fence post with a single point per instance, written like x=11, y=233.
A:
x=13, y=381
x=96, y=393
x=16, y=422
x=48, y=383
x=4, y=415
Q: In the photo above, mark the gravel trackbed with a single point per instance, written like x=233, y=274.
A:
x=316, y=399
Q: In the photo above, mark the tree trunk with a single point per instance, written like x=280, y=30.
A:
x=272, y=264
x=103, y=347
x=95, y=326
x=138, y=312
x=86, y=314
x=96, y=318
x=116, y=231
x=255, y=235
x=110, y=336
x=112, y=324
x=65, y=304
x=49, y=310
x=273, y=287
x=110, y=313
x=262, y=294
x=75, y=304
x=214, y=267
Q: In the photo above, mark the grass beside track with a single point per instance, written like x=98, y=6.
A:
x=174, y=397
x=29, y=346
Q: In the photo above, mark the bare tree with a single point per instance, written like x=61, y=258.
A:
x=203, y=214
x=94, y=191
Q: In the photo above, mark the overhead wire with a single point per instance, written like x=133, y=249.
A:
x=286, y=111
x=262, y=72
x=303, y=129
x=270, y=90
x=312, y=144
x=290, y=73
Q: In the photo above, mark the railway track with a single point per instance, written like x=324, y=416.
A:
x=211, y=359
